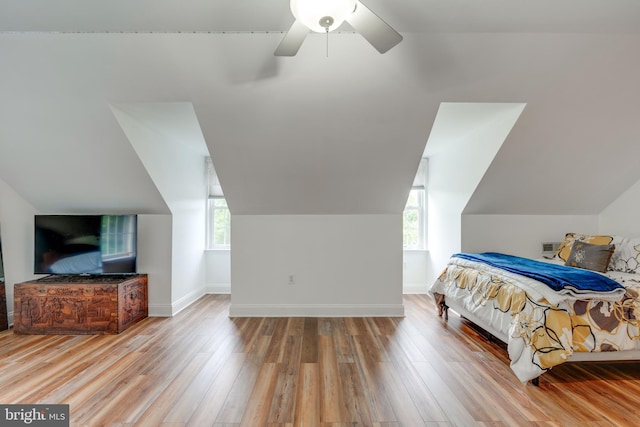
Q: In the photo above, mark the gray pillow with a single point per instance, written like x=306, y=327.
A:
x=590, y=257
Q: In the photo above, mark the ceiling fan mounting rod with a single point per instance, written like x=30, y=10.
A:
x=326, y=22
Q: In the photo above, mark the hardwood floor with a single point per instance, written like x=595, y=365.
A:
x=201, y=368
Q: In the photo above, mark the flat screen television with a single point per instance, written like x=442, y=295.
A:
x=85, y=244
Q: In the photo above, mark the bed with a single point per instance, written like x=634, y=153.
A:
x=593, y=316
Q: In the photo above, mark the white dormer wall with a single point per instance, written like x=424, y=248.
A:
x=415, y=272
x=342, y=265
x=463, y=142
x=168, y=140
x=16, y=232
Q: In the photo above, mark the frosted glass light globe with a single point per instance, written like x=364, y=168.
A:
x=310, y=12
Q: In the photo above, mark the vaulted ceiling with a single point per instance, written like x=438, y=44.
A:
x=341, y=133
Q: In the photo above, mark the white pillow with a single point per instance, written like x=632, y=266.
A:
x=626, y=257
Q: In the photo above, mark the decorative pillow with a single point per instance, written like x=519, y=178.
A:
x=565, y=247
x=590, y=257
x=626, y=258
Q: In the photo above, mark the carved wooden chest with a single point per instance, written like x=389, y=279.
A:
x=100, y=304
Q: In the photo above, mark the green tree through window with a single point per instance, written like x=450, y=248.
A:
x=219, y=224
x=413, y=221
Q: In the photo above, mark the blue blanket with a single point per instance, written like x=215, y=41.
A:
x=557, y=277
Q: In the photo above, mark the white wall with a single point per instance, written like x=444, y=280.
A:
x=521, y=235
x=342, y=265
x=415, y=272
x=168, y=140
x=415, y=277
x=218, y=271
x=16, y=229
x=154, y=255
x=463, y=142
x=621, y=217
x=187, y=261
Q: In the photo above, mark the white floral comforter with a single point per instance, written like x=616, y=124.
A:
x=543, y=334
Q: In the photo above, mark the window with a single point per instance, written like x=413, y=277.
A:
x=413, y=218
x=219, y=220
x=117, y=237
x=218, y=214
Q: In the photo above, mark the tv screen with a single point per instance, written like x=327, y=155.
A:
x=85, y=244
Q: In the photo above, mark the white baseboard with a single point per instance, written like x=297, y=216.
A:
x=316, y=310
x=160, y=310
x=186, y=301
x=218, y=288
x=170, y=310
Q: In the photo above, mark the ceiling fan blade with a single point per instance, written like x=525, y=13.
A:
x=292, y=41
x=373, y=28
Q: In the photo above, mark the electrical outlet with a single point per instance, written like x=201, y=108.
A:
x=549, y=248
x=292, y=279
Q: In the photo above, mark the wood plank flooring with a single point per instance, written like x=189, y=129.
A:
x=201, y=368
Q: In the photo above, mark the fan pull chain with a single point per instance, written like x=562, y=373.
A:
x=326, y=22
x=327, y=41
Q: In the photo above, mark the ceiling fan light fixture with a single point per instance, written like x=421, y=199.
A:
x=314, y=13
x=323, y=16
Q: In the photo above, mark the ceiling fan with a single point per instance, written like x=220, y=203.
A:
x=323, y=16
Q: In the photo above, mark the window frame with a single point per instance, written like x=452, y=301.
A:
x=214, y=192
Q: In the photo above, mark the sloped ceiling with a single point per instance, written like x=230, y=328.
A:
x=317, y=134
